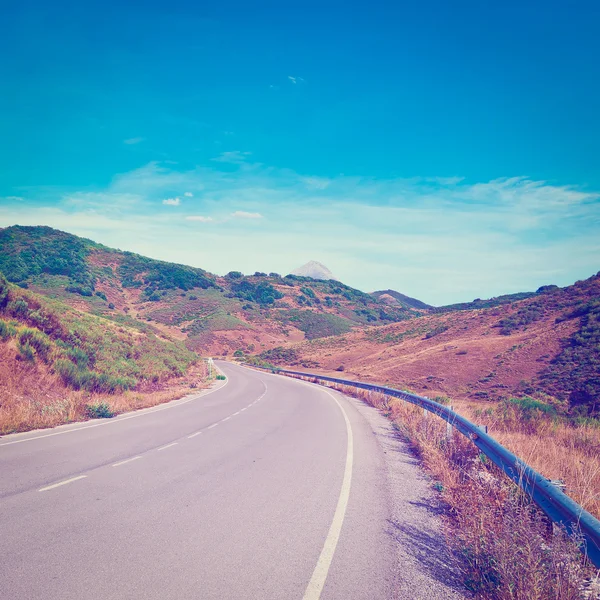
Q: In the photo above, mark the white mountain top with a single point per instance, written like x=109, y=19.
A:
x=314, y=269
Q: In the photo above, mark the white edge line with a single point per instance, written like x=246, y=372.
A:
x=55, y=485
x=211, y=426
x=127, y=460
x=167, y=446
x=143, y=412
x=194, y=435
x=319, y=576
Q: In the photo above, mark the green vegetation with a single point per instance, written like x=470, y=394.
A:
x=155, y=275
x=221, y=377
x=101, y=410
x=436, y=331
x=26, y=252
x=263, y=293
x=527, y=314
x=479, y=303
x=87, y=352
x=280, y=355
x=574, y=374
x=314, y=324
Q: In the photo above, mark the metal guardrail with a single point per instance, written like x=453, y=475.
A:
x=557, y=505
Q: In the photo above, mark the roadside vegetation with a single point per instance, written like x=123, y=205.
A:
x=46, y=346
x=504, y=545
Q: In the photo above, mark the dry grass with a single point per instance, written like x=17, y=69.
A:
x=552, y=446
x=504, y=543
x=31, y=397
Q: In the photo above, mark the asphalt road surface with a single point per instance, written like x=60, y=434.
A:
x=261, y=488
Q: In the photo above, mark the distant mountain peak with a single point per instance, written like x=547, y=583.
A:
x=314, y=269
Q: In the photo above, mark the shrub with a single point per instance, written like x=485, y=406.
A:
x=7, y=330
x=26, y=351
x=101, y=410
x=436, y=331
x=234, y=275
x=102, y=295
x=18, y=308
x=280, y=354
x=111, y=306
x=221, y=377
x=238, y=353
x=37, y=340
x=79, y=289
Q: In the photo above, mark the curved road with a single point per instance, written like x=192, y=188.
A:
x=262, y=488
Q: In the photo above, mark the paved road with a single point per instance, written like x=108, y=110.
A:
x=264, y=488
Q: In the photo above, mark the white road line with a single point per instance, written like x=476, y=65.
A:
x=243, y=409
x=128, y=460
x=117, y=420
x=194, y=435
x=317, y=581
x=211, y=426
x=167, y=446
x=235, y=414
x=55, y=485
x=225, y=419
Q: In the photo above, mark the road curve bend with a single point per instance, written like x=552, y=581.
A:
x=261, y=488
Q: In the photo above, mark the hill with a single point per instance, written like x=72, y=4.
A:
x=210, y=314
x=543, y=342
x=314, y=270
x=396, y=298
x=545, y=345
x=58, y=364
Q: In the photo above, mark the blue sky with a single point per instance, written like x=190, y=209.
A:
x=447, y=150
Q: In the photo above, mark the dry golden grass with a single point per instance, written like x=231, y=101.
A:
x=31, y=397
x=553, y=447
x=504, y=544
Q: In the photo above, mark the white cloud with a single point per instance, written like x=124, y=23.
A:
x=438, y=239
x=235, y=157
x=198, y=218
x=133, y=140
x=296, y=80
x=317, y=183
x=242, y=214
x=172, y=201
x=188, y=194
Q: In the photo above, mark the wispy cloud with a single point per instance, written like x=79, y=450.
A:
x=235, y=157
x=242, y=214
x=441, y=239
x=172, y=201
x=134, y=140
x=199, y=218
x=296, y=80
x=188, y=194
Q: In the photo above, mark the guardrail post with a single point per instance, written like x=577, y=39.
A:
x=449, y=428
x=551, y=527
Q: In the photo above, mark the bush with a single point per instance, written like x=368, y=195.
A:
x=37, y=340
x=26, y=352
x=288, y=356
x=7, y=330
x=238, y=353
x=102, y=295
x=221, y=377
x=436, y=331
x=99, y=411
x=79, y=289
x=111, y=306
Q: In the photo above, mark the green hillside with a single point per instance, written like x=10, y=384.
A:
x=132, y=289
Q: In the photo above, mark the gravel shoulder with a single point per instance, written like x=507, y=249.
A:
x=424, y=566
